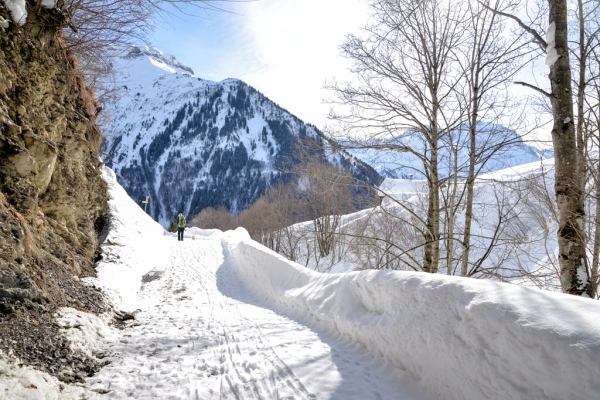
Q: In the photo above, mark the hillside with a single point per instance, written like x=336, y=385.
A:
x=52, y=196
x=498, y=146
x=190, y=143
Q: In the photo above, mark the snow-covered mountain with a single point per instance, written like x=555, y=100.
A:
x=499, y=148
x=190, y=143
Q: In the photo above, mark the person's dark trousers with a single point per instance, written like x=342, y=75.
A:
x=180, y=233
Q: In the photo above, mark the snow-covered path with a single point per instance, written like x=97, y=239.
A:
x=200, y=335
x=217, y=320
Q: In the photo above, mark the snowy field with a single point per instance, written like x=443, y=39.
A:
x=219, y=316
x=523, y=251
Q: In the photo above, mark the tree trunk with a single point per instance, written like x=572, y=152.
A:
x=596, y=253
x=466, y=243
x=432, y=236
x=450, y=214
x=580, y=99
x=569, y=193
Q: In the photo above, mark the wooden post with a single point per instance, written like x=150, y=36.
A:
x=146, y=202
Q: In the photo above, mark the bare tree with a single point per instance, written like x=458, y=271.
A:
x=405, y=99
x=584, y=50
x=258, y=222
x=429, y=75
x=211, y=218
x=328, y=194
x=380, y=240
x=286, y=209
x=489, y=61
x=591, y=127
x=270, y=220
x=574, y=268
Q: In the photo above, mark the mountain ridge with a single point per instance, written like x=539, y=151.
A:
x=190, y=143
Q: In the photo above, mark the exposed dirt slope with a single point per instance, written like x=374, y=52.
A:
x=52, y=196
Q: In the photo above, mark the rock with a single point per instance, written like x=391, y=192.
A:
x=51, y=193
x=124, y=316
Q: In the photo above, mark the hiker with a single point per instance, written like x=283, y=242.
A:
x=180, y=226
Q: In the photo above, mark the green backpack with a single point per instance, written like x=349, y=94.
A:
x=181, y=221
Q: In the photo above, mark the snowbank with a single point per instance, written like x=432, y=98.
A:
x=84, y=331
x=26, y=383
x=460, y=338
x=126, y=252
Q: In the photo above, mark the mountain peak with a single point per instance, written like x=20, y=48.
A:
x=191, y=143
x=165, y=61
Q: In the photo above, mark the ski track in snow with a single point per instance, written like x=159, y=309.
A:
x=200, y=335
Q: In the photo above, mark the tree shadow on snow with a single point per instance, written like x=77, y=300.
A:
x=360, y=375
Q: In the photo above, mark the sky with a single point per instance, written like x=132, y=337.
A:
x=285, y=49
x=288, y=50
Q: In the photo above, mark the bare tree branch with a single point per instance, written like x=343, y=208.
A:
x=537, y=38
x=537, y=89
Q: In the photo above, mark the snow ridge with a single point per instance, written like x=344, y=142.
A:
x=155, y=54
x=460, y=338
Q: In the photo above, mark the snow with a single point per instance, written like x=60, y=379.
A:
x=48, y=3
x=83, y=331
x=220, y=316
x=162, y=65
x=551, y=53
x=4, y=24
x=459, y=338
x=25, y=383
x=199, y=333
x=17, y=11
x=240, y=312
x=402, y=189
x=134, y=240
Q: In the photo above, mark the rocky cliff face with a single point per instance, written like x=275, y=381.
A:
x=52, y=196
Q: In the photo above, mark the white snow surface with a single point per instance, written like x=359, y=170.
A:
x=17, y=11
x=25, y=383
x=132, y=247
x=221, y=316
x=84, y=331
x=460, y=338
x=551, y=53
x=199, y=333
